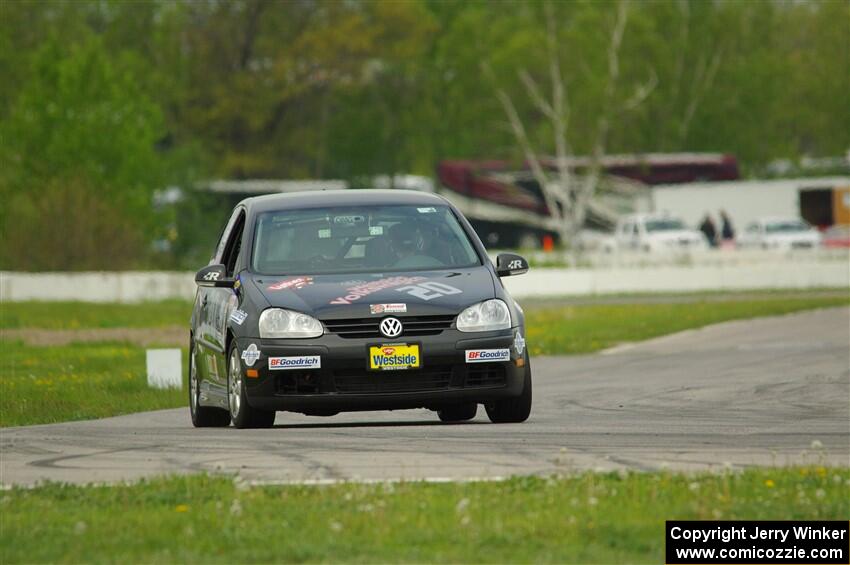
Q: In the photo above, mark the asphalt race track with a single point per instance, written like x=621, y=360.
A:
x=772, y=391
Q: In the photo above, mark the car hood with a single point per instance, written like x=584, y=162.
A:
x=353, y=295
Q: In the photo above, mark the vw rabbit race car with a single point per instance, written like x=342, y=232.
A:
x=347, y=300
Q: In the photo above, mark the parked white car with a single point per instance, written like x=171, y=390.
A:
x=781, y=234
x=657, y=233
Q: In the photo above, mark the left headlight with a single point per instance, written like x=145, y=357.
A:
x=280, y=323
x=485, y=316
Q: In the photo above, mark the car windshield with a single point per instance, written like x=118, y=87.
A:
x=789, y=226
x=664, y=225
x=360, y=239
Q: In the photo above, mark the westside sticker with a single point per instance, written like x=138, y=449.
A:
x=300, y=362
x=394, y=308
x=250, y=355
x=238, y=316
x=485, y=355
x=296, y=283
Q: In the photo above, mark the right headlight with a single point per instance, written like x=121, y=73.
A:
x=484, y=317
x=280, y=323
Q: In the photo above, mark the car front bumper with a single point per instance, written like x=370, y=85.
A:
x=344, y=382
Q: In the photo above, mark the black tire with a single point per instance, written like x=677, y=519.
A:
x=458, y=412
x=202, y=416
x=242, y=414
x=513, y=410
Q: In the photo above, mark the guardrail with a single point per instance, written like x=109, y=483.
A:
x=160, y=285
x=711, y=257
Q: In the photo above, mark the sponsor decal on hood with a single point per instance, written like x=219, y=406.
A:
x=394, y=308
x=295, y=283
x=357, y=292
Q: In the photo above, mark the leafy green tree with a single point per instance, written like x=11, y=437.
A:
x=80, y=144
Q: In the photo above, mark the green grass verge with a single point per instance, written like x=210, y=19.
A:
x=54, y=384
x=75, y=315
x=40, y=385
x=591, y=327
x=587, y=518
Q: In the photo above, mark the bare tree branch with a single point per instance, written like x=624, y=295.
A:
x=534, y=94
x=642, y=92
x=702, y=83
x=525, y=144
x=560, y=117
x=567, y=197
x=685, y=9
x=603, y=123
x=594, y=172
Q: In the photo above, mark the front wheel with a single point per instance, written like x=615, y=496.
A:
x=202, y=416
x=243, y=414
x=513, y=410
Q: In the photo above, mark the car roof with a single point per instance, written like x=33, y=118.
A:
x=351, y=197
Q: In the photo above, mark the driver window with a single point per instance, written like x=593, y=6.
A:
x=234, y=245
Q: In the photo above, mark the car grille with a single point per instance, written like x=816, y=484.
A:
x=359, y=381
x=298, y=382
x=485, y=375
x=368, y=327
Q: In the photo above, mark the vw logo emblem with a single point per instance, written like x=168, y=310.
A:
x=390, y=327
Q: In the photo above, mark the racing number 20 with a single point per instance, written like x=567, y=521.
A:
x=429, y=290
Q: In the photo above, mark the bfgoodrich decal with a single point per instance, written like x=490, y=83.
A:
x=300, y=362
x=484, y=355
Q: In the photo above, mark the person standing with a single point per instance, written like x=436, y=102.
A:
x=727, y=232
x=708, y=229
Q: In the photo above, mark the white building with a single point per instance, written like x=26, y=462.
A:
x=820, y=201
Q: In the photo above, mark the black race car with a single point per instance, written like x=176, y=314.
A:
x=346, y=300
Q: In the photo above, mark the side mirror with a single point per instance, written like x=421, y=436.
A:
x=213, y=275
x=509, y=264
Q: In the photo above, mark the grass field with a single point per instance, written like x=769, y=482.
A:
x=76, y=315
x=555, y=330
x=43, y=384
x=587, y=518
x=82, y=381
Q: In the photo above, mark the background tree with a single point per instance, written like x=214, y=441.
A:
x=307, y=89
x=568, y=193
x=79, y=161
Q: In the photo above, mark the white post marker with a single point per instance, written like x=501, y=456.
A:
x=165, y=368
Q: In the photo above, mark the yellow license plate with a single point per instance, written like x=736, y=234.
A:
x=394, y=357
